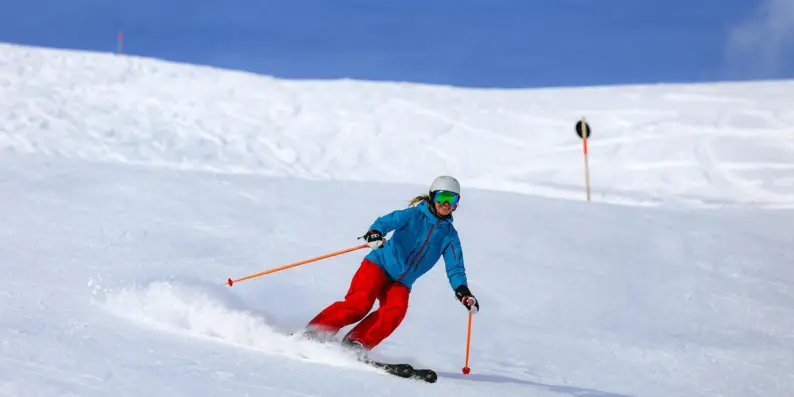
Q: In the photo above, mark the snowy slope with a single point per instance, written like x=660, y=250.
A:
x=704, y=144
x=131, y=189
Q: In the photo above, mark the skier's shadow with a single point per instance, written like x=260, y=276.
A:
x=574, y=391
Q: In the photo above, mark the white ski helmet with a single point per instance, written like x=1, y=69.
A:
x=447, y=183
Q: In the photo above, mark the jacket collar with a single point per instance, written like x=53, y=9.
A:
x=423, y=206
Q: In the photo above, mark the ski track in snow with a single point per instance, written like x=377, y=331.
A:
x=130, y=189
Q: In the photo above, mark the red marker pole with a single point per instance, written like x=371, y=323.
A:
x=120, y=39
x=584, y=130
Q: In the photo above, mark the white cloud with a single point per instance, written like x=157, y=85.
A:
x=763, y=46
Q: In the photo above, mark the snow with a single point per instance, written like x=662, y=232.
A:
x=131, y=189
x=705, y=144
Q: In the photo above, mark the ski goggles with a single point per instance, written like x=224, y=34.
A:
x=443, y=196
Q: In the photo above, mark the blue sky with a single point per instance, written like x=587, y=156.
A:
x=481, y=43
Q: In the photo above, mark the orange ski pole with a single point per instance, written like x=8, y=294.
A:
x=466, y=368
x=231, y=282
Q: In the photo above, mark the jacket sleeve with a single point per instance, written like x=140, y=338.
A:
x=453, y=259
x=392, y=221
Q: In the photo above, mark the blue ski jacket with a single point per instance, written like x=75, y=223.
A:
x=419, y=240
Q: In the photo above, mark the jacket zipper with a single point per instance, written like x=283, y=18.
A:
x=417, y=254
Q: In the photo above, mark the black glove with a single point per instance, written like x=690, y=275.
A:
x=374, y=238
x=465, y=297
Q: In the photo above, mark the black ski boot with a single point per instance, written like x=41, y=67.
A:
x=357, y=348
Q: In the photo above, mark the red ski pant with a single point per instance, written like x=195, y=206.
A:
x=368, y=284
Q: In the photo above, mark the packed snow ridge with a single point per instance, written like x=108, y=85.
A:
x=701, y=145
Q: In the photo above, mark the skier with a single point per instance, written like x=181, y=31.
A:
x=423, y=233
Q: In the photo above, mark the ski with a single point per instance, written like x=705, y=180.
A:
x=407, y=371
x=425, y=374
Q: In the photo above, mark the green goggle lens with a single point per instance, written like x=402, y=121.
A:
x=443, y=196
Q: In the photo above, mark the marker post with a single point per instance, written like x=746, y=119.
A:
x=583, y=130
